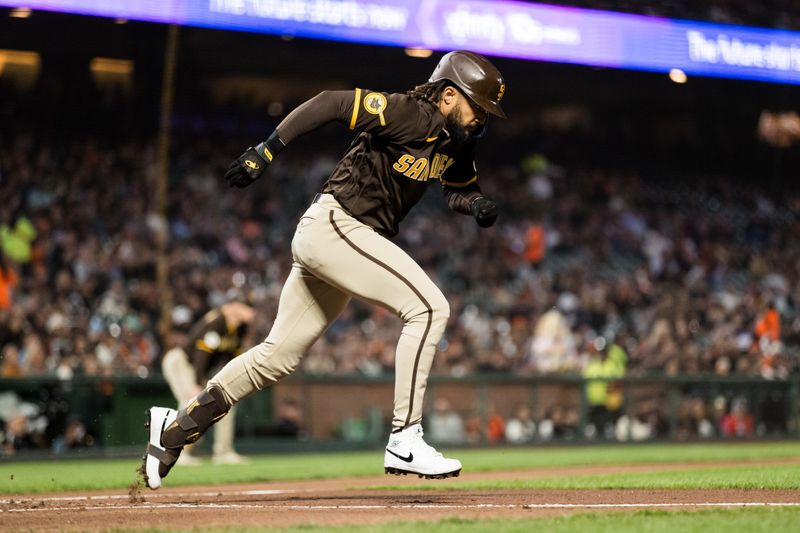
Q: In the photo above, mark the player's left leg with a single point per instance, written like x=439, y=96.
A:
x=307, y=307
x=170, y=431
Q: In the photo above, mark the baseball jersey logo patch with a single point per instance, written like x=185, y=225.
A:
x=375, y=104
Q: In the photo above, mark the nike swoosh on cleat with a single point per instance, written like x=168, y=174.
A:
x=405, y=459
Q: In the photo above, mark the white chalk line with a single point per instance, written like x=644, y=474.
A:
x=404, y=506
x=546, y=505
x=105, y=497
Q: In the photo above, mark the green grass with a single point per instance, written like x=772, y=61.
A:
x=509, y=459
x=59, y=475
x=738, y=477
x=754, y=520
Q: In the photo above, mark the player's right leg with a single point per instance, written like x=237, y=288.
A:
x=348, y=254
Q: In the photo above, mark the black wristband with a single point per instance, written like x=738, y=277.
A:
x=484, y=211
x=271, y=147
x=474, y=204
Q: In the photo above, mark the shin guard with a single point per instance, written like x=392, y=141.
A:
x=195, y=419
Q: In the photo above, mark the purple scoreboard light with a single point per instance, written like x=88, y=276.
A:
x=499, y=28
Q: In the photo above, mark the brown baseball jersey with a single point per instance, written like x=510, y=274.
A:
x=401, y=146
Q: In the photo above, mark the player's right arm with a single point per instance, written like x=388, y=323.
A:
x=460, y=187
x=386, y=115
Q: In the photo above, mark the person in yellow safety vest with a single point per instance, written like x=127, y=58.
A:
x=603, y=399
x=16, y=241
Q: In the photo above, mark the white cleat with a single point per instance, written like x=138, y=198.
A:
x=408, y=453
x=158, y=460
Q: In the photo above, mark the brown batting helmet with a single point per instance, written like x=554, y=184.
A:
x=475, y=76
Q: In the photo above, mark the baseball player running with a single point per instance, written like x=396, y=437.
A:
x=213, y=341
x=342, y=249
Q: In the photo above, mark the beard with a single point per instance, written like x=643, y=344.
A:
x=458, y=133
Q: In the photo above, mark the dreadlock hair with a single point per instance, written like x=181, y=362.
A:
x=430, y=91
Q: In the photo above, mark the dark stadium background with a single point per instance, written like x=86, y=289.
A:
x=687, y=158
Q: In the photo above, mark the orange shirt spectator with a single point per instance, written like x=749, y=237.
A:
x=535, y=244
x=767, y=340
x=496, y=430
x=8, y=280
x=769, y=325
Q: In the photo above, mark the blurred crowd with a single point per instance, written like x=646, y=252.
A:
x=698, y=418
x=688, y=280
x=591, y=270
x=681, y=280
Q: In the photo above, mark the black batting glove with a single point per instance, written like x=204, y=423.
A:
x=249, y=166
x=484, y=211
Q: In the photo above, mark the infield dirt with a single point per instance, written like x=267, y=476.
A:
x=356, y=501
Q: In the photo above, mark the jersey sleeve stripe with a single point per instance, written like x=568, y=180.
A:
x=356, y=105
x=464, y=184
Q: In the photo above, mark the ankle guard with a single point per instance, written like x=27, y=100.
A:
x=195, y=419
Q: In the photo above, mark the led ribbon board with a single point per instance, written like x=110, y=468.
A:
x=499, y=28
